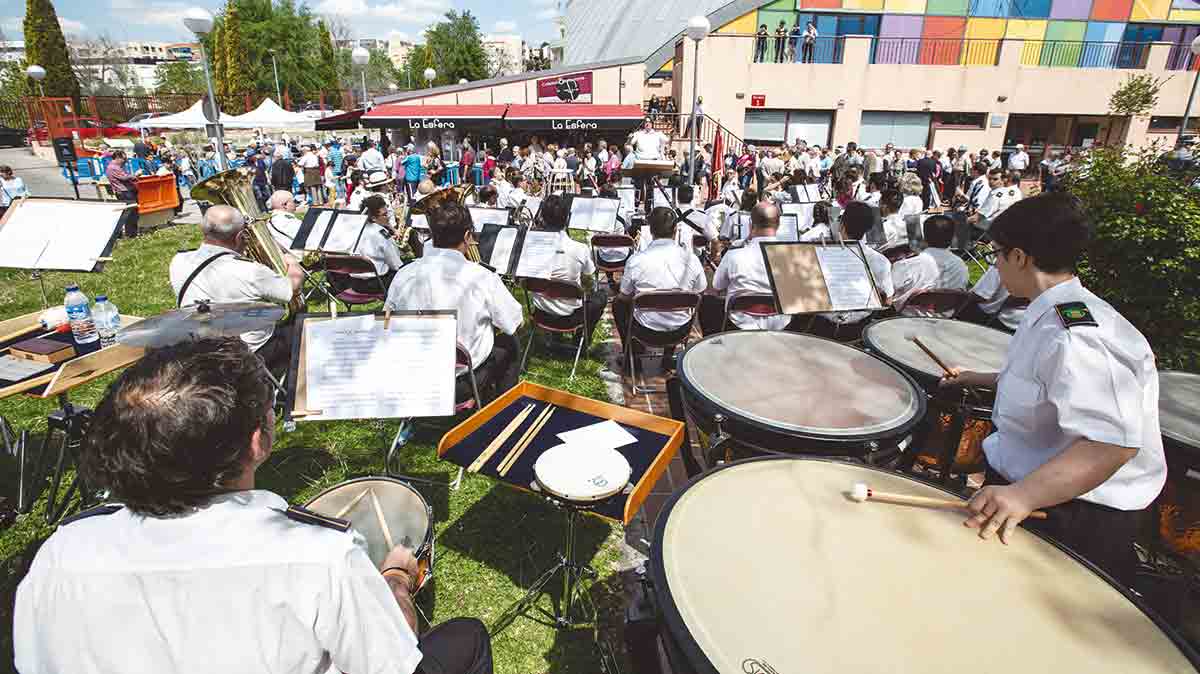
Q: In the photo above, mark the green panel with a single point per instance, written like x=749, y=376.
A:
x=772, y=19
x=780, y=6
x=1064, y=43
x=946, y=7
x=1066, y=30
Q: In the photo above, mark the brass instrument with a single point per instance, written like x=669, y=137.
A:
x=235, y=188
x=457, y=194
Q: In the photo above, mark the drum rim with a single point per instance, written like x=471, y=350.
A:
x=896, y=431
x=876, y=349
x=427, y=544
x=575, y=499
x=677, y=629
x=1190, y=443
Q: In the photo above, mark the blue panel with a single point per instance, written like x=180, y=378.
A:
x=996, y=8
x=1100, y=31
x=1101, y=48
x=1029, y=9
x=857, y=24
x=1143, y=32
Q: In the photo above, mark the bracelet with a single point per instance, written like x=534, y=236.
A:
x=408, y=578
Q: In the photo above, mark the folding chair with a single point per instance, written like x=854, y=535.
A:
x=757, y=305
x=336, y=264
x=542, y=320
x=611, y=241
x=658, y=302
x=936, y=303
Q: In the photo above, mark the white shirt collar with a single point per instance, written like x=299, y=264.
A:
x=434, y=251
x=1050, y=297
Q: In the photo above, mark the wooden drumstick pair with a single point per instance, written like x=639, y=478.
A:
x=861, y=492
x=518, y=449
x=387, y=532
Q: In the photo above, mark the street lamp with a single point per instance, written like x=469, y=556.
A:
x=430, y=75
x=38, y=74
x=278, y=96
x=462, y=81
x=1187, y=112
x=200, y=22
x=361, y=57
x=697, y=29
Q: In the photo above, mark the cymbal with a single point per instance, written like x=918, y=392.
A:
x=204, y=320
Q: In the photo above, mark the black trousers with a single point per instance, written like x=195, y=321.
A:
x=1102, y=535
x=622, y=309
x=497, y=373
x=457, y=646
x=277, y=352
x=131, y=225
x=593, y=307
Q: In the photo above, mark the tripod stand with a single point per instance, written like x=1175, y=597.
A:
x=69, y=422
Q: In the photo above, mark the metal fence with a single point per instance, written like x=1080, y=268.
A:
x=786, y=50
x=935, y=51
x=1075, y=54
x=1181, y=58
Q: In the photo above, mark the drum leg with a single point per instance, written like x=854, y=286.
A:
x=679, y=413
x=402, y=436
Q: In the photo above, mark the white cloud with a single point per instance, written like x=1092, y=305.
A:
x=167, y=15
x=505, y=27
x=545, y=3
x=14, y=26
x=399, y=35
x=404, y=11
x=546, y=14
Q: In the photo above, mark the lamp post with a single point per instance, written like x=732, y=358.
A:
x=361, y=57
x=430, y=75
x=37, y=73
x=1187, y=112
x=462, y=81
x=697, y=29
x=200, y=22
x=274, y=67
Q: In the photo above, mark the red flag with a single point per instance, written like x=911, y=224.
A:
x=717, y=165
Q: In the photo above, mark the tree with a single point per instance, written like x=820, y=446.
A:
x=238, y=80
x=328, y=63
x=102, y=68
x=46, y=46
x=1136, y=96
x=380, y=72
x=214, y=50
x=501, y=63
x=537, y=61
x=453, y=48
x=180, y=77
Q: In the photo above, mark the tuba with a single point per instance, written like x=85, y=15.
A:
x=235, y=188
x=456, y=194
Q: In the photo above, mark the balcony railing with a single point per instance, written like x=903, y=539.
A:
x=1070, y=54
x=1181, y=58
x=935, y=51
x=786, y=50
x=1051, y=53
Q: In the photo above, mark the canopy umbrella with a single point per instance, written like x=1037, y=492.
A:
x=192, y=118
x=268, y=115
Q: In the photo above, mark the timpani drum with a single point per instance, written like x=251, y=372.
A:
x=386, y=512
x=777, y=391
x=958, y=420
x=824, y=585
x=1179, y=420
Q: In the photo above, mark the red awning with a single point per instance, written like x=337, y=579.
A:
x=393, y=115
x=568, y=117
x=346, y=120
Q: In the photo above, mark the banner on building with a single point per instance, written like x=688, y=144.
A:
x=571, y=88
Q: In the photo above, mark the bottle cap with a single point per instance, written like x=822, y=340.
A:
x=73, y=287
x=101, y=298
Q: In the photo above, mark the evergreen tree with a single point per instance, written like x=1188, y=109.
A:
x=45, y=46
x=328, y=64
x=237, y=67
x=214, y=47
x=455, y=50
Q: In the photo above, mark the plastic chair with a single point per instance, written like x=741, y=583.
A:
x=757, y=305
x=452, y=175
x=560, y=182
x=345, y=265
x=542, y=320
x=936, y=303
x=659, y=302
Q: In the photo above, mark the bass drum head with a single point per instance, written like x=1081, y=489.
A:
x=802, y=385
x=582, y=474
x=1179, y=407
x=407, y=514
x=837, y=586
x=957, y=343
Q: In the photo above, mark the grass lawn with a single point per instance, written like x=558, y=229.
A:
x=491, y=541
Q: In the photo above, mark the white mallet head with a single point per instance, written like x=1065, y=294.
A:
x=859, y=492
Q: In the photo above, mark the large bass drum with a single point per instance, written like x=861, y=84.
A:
x=789, y=392
x=1179, y=503
x=823, y=585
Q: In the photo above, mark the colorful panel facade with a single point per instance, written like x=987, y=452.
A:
x=1150, y=10
x=904, y=6
x=899, y=39
x=989, y=8
x=1070, y=9
x=942, y=43
x=743, y=24
x=947, y=7
x=1030, y=9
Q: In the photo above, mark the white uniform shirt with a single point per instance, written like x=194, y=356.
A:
x=284, y=226
x=229, y=279
x=998, y=201
x=371, y=160
x=377, y=246
x=994, y=294
x=742, y=272
x=978, y=192
x=572, y=261
x=1018, y=161
x=648, y=145
x=895, y=231
x=233, y=587
x=1060, y=385
x=912, y=205
x=933, y=268
x=663, y=265
x=444, y=279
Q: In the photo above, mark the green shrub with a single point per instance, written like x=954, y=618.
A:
x=1144, y=257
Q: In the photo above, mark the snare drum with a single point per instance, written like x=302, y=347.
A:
x=827, y=586
x=777, y=391
x=375, y=505
x=582, y=475
x=1179, y=504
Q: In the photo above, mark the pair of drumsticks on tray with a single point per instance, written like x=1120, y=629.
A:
x=522, y=443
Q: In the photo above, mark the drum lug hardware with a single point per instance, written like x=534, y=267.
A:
x=717, y=450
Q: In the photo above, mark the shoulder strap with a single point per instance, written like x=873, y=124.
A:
x=107, y=509
x=196, y=272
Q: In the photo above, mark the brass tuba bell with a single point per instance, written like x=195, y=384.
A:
x=456, y=194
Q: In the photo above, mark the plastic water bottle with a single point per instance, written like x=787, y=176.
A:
x=79, y=314
x=107, y=319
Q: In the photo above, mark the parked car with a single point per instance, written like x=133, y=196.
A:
x=10, y=137
x=144, y=116
x=313, y=111
x=86, y=128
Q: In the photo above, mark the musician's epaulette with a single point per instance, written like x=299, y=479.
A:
x=107, y=509
x=243, y=258
x=1075, y=314
x=310, y=517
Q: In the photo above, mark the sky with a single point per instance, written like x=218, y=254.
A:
x=161, y=20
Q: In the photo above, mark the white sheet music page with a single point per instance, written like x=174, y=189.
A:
x=663, y=196
x=537, y=254
x=67, y=235
x=313, y=242
x=847, y=277
x=345, y=233
x=596, y=214
x=628, y=197
x=804, y=217
x=788, y=227
x=481, y=216
x=502, y=250
x=357, y=370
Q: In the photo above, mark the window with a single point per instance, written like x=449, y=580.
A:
x=972, y=120
x=1160, y=123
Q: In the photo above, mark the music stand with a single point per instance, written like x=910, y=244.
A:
x=652, y=171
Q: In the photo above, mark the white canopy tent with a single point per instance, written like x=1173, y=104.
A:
x=192, y=118
x=268, y=115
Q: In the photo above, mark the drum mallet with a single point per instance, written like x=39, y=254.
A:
x=861, y=492
x=942, y=364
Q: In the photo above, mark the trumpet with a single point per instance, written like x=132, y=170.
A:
x=456, y=193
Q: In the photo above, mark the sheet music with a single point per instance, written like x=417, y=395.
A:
x=320, y=224
x=804, y=218
x=847, y=278
x=788, y=227
x=628, y=197
x=664, y=196
x=57, y=234
x=595, y=214
x=534, y=204
x=502, y=249
x=357, y=370
x=481, y=216
x=345, y=233
x=537, y=254
x=419, y=222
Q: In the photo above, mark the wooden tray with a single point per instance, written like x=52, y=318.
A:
x=659, y=438
x=80, y=370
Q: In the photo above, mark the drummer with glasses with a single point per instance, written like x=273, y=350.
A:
x=1076, y=410
x=193, y=569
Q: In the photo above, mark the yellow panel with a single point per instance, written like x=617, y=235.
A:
x=983, y=41
x=868, y=5
x=1188, y=15
x=1150, y=10
x=904, y=6
x=745, y=24
x=1026, y=29
x=669, y=66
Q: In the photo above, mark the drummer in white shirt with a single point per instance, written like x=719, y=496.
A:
x=572, y=264
x=664, y=265
x=1076, y=413
x=743, y=271
x=935, y=267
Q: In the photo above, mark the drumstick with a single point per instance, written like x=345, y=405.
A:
x=350, y=506
x=933, y=356
x=387, y=533
x=499, y=440
x=526, y=440
x=861, y=492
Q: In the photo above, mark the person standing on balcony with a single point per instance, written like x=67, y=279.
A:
x=760, y=44
x=781, y=34
x=794, y=41
x=810, y=42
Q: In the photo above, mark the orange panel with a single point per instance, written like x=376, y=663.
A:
x=821, y=4
x=1111, y=10
x=941, y=42
x=948, y=27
